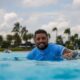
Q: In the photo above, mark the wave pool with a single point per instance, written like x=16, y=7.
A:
x=23, y=69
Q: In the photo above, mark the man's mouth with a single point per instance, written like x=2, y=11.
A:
x=41, y=44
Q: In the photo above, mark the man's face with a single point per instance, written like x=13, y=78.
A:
x=41, y=40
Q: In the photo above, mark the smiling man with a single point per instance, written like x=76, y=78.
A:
x=45, y=51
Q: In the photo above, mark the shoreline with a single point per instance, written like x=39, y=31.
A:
x=16, y=49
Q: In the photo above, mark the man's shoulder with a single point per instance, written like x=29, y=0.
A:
x=54, y=45
x=34, y=50
x=32, y=53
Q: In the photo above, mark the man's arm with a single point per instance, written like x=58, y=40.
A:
x=70, y=54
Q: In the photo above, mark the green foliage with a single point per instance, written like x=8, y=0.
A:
x=21, y=34
x=20, y=49
x=59, y=40
x=17, y=49
x=1, y=40
x=73, y=40
x=9, y=38
x=1, y=49
x=17, y=27
x=17, y=40
x=5, y=44
x=69, y=44
x=68, y=31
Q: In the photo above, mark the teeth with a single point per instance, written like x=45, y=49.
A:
x=41, y=44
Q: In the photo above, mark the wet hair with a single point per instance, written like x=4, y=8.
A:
x=40, y=31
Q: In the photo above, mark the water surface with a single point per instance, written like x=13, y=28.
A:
x=11, y=69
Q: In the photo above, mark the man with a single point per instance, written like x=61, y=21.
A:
x=45, y=51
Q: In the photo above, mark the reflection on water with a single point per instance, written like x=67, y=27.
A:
x=38, y=70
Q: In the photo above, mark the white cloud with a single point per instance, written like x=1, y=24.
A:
x=60, y=24
x=2, y=13
x=10, y=16
x=36, y=20
x=75, y=29
x=55, y=20
x=7, y=22
x=32, y=19
x=76, y=3
x=38, y=3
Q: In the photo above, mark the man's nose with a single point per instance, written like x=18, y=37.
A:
x=41, y=40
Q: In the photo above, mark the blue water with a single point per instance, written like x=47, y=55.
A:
x=24, y=69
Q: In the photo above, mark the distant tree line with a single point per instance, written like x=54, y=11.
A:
x=22, y=34
x=73, y=41
x=15, y=40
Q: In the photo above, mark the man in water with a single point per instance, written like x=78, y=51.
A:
x=45, y=51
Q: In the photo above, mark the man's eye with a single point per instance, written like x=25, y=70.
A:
x=41, y=38
x=44, y=38
x=38, y=39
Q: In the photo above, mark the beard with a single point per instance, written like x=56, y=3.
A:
x=42, y=46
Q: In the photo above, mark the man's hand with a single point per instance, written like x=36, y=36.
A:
x=68, y=54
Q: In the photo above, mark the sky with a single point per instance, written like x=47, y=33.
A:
x=40, y=14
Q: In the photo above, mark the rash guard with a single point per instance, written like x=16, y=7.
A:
x=52, y=53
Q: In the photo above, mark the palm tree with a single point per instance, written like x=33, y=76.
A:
x=67, y=31
x=23, y=31
x=25, y=38
x=5, y=44
x=9, y=39
x=59, y=40
x=69, y=44
x=76, y=36
x=30, y=36
x=17, y=27
x=76, y=41
x=55, y=29
x=17, y=39
x=1, y=39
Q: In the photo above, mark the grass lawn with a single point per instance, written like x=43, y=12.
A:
x=17, y=49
